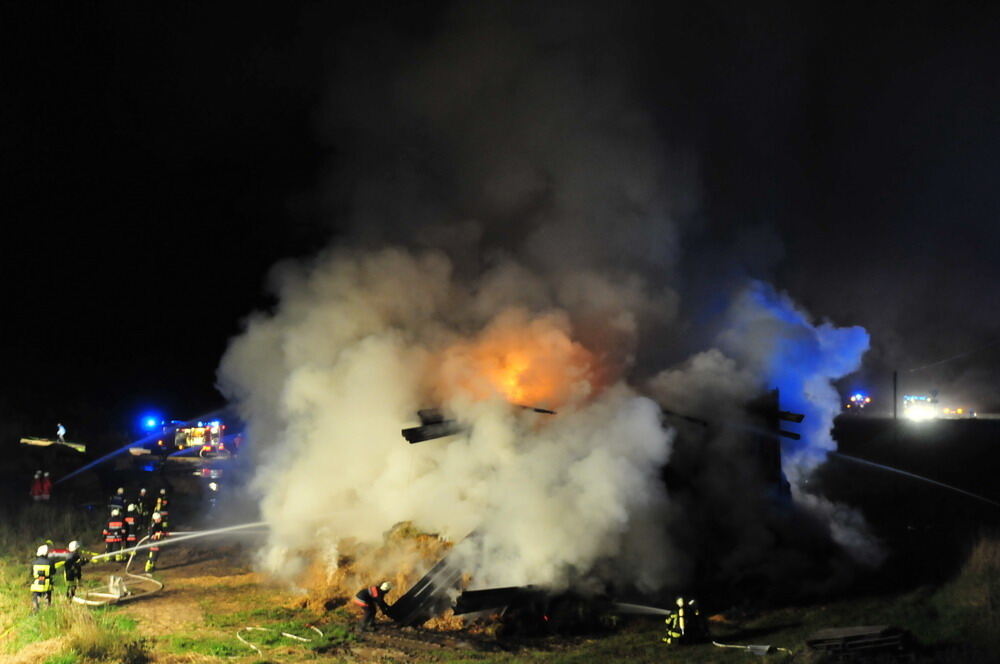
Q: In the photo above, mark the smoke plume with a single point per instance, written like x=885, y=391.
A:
x=516, y=224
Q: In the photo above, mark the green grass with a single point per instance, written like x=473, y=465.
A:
x=956, y=623
x=206, y=645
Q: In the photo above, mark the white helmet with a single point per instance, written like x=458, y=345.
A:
x=74, y=546
x=43, y=550
x=116, y=512
x=385, y=587
x=163, y=492
x=131, y=507
x=120, y=491
x=142, y=491
x=157, y=517
x=38, y=473
x=46, y=473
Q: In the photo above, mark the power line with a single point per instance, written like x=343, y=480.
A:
x=955, y=357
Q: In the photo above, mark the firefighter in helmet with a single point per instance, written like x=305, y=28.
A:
x=73, y=568
x=157, y=531
x=144, y=503
x=114, y=534
x=131, y=523
x=370, y=599
x=685, y=625
x=117, y=501
x=162, y=506
x=42, y=571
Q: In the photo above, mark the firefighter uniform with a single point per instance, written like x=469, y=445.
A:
x=370, y=599
x=131, y=527
x=73, y=567
x=42, y=571
x=117, y=501
x=163, y=507
x=36, y=487
x=157, y=532
x=46, y=486
x=685, y=625
x=114, y=534
x=144, y=504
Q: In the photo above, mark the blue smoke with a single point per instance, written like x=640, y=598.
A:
x=778, y=342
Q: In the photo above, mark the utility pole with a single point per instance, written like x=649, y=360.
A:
x=895, y=397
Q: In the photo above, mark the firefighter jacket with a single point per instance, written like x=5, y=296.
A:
x=143, y=504
x=42, y=570
x=371, y=596
x=115, y=530
x=46, y=487
x=162, y=506
x=74, y=563
x=116, y=502
x=130, y=529
x=157, y=532
x=36, y=488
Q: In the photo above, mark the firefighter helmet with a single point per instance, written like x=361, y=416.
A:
x=46, y=473
x=43, y=550
x=116, y=512
x=385, y=587
x=680, y=602
x=120, y=491
x=74, y=546
x=38, y=473
x=157, y=517
x=131, y=507
x=163, y=492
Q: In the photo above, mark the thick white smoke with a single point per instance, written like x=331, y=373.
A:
x=538, y=222
x=360, y=343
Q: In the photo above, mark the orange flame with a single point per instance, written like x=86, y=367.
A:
x=528, y=361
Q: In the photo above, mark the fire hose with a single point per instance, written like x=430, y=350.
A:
x=265, y=629
x=760, y=650
x=122, y=593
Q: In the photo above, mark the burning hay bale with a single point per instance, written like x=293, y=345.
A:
x=403, y=557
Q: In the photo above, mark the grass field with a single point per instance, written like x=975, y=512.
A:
x=208, y=598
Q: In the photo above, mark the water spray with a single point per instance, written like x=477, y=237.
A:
x=181, y=538
x=916, y=477
x=640, y=609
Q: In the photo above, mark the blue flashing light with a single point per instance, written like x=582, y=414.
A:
x=149, y=468
x=150, y=421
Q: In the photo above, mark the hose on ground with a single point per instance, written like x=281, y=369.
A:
x=266, y=629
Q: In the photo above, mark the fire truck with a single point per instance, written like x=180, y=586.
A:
x=205, y=436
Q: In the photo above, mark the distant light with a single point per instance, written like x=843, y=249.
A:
x=150, y=421
x=919, y=412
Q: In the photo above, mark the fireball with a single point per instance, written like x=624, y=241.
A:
x=524, y=360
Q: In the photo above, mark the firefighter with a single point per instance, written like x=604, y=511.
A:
x=73, y=568
x=42, y=571
x=685, y=625
x=131, y=526
x=36, y=487
x=144, y=504
x=113, y=534
x=162, y=506
x=46, y=486
x=117, y=501
x=157, y=531
x=370, y=599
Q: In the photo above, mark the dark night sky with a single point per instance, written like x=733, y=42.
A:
x=158, y=160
